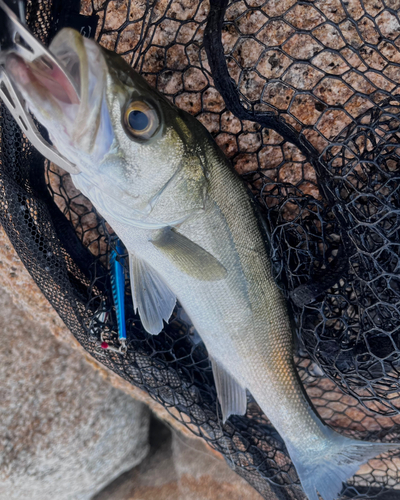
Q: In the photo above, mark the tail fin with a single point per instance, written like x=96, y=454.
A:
x=326, y=470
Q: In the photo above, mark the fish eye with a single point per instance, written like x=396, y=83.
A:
x=141, y=120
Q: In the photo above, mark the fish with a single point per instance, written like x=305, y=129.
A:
x=193, y=235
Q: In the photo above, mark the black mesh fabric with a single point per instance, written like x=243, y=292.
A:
x=302, y=96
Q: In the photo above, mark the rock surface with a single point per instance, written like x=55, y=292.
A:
x=64, y=432
x=178, y=468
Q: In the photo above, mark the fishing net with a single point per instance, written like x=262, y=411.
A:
x=303, y=97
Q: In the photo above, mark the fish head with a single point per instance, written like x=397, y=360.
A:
x=126, y=139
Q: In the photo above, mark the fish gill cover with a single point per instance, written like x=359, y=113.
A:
x=303, y=98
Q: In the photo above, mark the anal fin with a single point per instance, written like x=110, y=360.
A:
x=151, y=296
x=231, y=395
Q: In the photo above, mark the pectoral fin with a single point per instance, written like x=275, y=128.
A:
x=151, y=297
x=231, y=395
x=189, y=257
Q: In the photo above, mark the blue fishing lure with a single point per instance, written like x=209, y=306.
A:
x=118, y=288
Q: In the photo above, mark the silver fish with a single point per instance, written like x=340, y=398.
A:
x=158, y=178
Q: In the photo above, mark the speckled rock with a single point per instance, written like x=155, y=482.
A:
x=64, y=433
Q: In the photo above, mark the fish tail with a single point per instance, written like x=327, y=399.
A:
x=340, y=458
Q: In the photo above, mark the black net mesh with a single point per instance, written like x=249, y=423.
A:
x=302, y=97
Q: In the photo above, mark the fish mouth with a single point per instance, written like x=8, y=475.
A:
x=39, y=76
x=73, y=113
